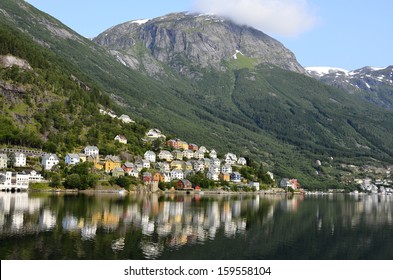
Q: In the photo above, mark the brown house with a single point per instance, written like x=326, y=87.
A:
x=183, y=185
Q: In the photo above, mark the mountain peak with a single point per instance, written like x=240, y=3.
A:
x=201, y=40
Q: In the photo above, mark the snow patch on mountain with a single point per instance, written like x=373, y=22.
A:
x=322, y=71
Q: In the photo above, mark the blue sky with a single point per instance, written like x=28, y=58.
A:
x=342, y=33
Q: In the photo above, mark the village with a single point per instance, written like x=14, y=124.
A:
x=170, y=166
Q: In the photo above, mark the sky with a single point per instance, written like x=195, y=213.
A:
x=348, y=34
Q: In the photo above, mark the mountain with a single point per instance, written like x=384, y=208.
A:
x=248, y=96
x=372, y=83
x=203, y=40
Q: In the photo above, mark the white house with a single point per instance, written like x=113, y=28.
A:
x=35, y=177
x=121, y=138
x=214, y=169
x=226, y=168
x=163, y=167
x=49, y=160
x=165, y=155
x=213, y=154
x=126, y=119
x=203, y=149
x=3, y=161
x=92, y=151
x=212, y=175
x=188, y=154
x=215, y=161
x=134, y=173
x=177, y=174
x=199, y=154
x=199, y=166
x=154, y=134
x=150, y=156
x=19, y=159
x=72, y=159
x=242, y=161
x=230, y=158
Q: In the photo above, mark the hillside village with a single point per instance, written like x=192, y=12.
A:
x=175, y=163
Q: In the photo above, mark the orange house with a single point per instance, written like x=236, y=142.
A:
x=158, y=177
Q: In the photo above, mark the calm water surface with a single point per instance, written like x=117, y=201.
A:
x=146, y=226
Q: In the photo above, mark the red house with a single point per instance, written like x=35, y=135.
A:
x=193, y=147
x=184, y=185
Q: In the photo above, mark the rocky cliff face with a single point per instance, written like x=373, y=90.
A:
x=184, y=40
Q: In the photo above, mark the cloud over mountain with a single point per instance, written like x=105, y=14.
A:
x=279, y=17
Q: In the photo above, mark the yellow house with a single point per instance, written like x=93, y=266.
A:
x=111, y=162
x=177, y=164
x=225, y=177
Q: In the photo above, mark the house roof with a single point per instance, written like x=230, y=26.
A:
x=73, y=156
x=129, y=165
x=118, y=169
x=3, y=156
x=113, y=158
x=47, y=156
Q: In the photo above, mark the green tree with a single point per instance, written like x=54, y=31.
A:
x=73, y=181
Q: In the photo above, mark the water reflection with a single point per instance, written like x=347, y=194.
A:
x=151, y=226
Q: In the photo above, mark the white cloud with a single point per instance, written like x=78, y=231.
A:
x=279, y=17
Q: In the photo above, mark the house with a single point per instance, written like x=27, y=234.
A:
x=158, y=177
x=49, y=160
x=126, y=119
x=188, y=165
x=111, y=162
x=215, y=162
x=212, y=175
x=199, y=155
x=71, y=159
x=256, y=185
x=163, y=167
x=235, y=177
x=172, y=143
x=154, y=134
x=134, y=173
x=227, y=168
x=214, y=168
x=230, y=158
x=177, y=174
x=128, y=167
x=206, y=162
x=167, y=177
x=213, y=154
x=92, y=151
x=3, y=161
x=183, y=185
x=150, y=156
x=188, y=154
x=147, y=177
x=193, y=147
x=19, y=159
x=117, y=172
x=82, y=157
x=242, y=161
x=165, y=155
x=199, y=166
x=177, y=164
x=177, y=155
x=121, y=139
x=35, y=177
x=225, y=177
x=203, y=149
x=285, y=183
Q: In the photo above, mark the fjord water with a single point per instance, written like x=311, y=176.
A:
x=195, y=226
